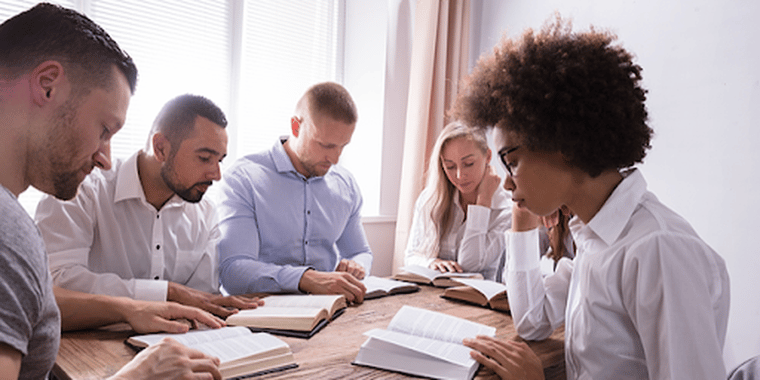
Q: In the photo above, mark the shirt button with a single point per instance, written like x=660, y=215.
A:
x=155, y=278
x=308, y=212
x=158, y=246
x=306, y=242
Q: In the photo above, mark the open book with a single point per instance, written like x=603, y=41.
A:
x=240, y=351
x=480, y=292
x=427, y=276
x=296, y=315
x=380, y=287
x=423, y=343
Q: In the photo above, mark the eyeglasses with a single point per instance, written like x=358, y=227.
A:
x=503, y=152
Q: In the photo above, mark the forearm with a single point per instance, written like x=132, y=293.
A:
x=244, y=275
x=81, y=279
x=482, y=243
x=537, y=303
x=83, y=310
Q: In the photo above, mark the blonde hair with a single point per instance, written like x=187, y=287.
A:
x=441, y=190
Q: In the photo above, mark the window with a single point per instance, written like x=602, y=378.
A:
x=252, y=58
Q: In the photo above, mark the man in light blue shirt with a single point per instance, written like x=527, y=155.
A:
x=290, y=217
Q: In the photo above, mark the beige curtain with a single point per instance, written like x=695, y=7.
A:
x=439, y=60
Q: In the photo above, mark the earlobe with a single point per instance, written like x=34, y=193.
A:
x=47, y=80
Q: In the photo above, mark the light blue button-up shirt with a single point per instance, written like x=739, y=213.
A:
x=276, y=223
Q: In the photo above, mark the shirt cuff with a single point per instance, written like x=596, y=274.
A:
x=523, y=250
x=290, y=277
x=151, y=290
x=477, y=218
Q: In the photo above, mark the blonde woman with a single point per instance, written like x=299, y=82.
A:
x=461, y=215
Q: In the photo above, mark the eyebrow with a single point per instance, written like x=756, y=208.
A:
x=209, y=150
x=463, y=158
x=507, y=150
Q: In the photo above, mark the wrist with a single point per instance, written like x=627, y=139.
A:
x=122, y=307
x=113, y=309
x=484, y=200
x=304, y=284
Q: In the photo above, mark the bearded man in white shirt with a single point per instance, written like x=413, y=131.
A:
x=142, y=229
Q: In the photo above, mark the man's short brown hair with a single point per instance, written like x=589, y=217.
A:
x=328, y=99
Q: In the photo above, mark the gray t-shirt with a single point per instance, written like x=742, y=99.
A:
x=29, y=317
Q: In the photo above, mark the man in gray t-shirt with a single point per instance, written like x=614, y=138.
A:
x=65, y=87
x=29, y=319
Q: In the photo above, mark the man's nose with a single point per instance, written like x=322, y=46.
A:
x=216, y=174
x=102, y=157
x=334, y=155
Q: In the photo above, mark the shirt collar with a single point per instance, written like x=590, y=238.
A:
x=611, y=219
x=282, y=161
x=128, y=185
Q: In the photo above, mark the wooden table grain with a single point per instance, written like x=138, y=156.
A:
x=97, y=354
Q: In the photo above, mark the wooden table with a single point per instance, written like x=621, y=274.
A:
x=96, y=354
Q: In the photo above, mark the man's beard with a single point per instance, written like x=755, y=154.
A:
x=313, y=170
x=60, y=144
x=189, y=194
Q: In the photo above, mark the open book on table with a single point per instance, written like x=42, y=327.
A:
x=380, y=287
x=485, y=293
x=427, y=276
x=296, y=315
x=240, y=351
x=423, y=343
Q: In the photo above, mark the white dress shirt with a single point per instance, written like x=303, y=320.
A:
x=646, y=297
x=477, y=244
x=110, y=240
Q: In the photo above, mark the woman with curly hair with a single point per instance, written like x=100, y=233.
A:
x=645, y=297
x=461, y=215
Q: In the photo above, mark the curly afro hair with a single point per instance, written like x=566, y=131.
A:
x=575, y=93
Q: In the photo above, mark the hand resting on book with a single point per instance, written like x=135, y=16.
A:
x=169, y=360
x=509, y=359
x=445, y=266
x=213, y=303
x=344, y=283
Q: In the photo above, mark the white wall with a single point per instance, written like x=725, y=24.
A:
x=701, y=61
x=379, y=34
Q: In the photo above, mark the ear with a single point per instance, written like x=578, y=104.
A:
x=295, y=125
x=48, y=82
x=161, y=147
